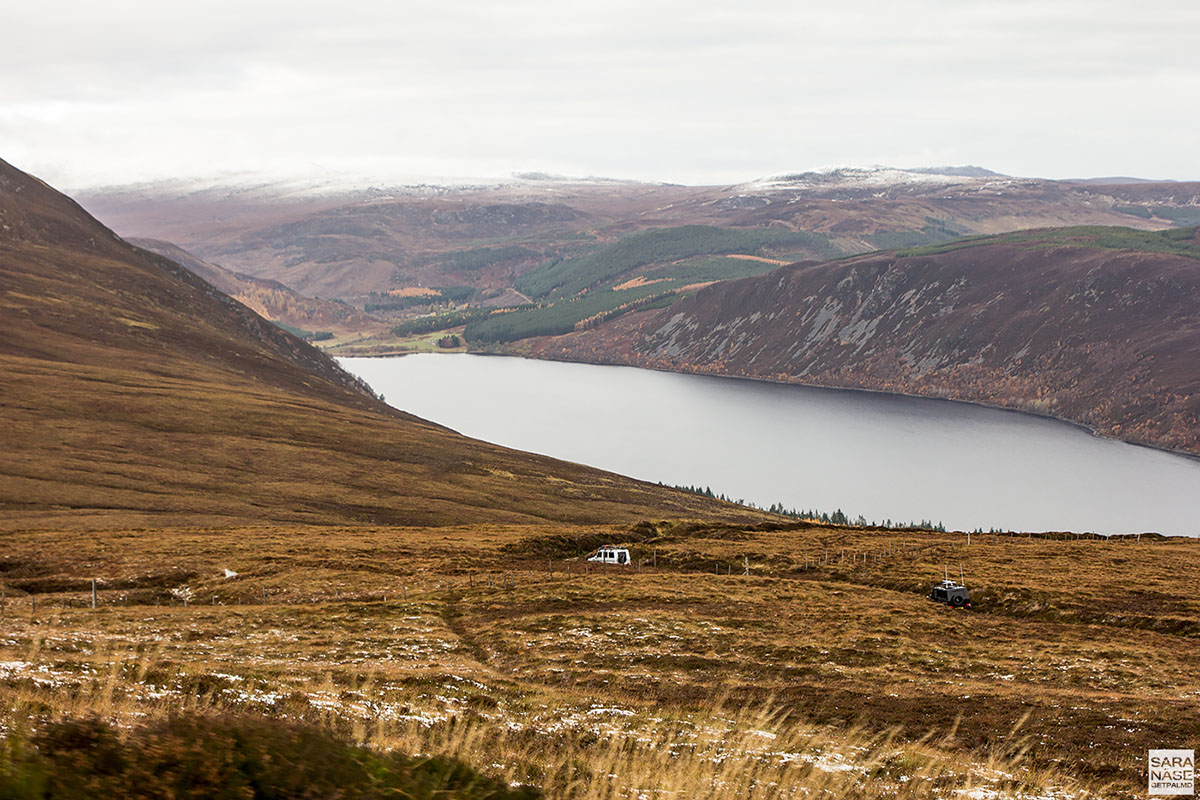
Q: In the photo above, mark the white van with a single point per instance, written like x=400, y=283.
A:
x=607, y=554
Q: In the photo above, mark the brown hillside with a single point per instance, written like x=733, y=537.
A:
x=269, y=299
x=134, y=393
x=1096, y=325
x=348, y=245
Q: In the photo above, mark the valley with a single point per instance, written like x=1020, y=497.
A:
x=904, y=280
x=599, y=401
x=205, y=521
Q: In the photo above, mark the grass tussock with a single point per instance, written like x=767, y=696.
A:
x=824, y=668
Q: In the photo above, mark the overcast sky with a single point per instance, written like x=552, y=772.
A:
x=689, y=91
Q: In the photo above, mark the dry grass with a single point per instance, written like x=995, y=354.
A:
x=636, y=283
x=764, y=260
x=626, y=683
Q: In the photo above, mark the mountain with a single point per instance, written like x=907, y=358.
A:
x=1115, y=180
x=352, y=243
x=269, y=299
x=1095, y=325
x=966, y=171
x=134, y=394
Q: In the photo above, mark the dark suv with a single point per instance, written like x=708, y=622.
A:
x=951, y=593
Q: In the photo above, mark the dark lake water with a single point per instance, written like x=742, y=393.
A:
x=878, y=455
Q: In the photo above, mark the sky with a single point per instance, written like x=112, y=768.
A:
x=686, y=91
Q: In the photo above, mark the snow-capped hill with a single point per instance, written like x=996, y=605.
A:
x=869, y=178
x=965, y=171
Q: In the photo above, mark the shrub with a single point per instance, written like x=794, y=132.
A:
x=194, y=757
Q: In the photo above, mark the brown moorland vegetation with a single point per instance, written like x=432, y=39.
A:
x=824, y=667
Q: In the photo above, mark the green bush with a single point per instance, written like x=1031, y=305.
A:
x=225, y=758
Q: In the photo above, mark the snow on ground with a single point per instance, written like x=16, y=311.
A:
x=844, y=177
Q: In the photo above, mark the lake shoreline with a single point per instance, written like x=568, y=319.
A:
x=826, y=387
x=884, y=455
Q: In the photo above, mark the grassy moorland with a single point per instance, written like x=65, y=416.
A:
x=823, y=669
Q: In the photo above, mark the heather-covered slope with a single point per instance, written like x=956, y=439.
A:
x=133, y=393
x=269, y=299
x=1096, y=325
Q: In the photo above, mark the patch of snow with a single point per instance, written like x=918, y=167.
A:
x=848, y=177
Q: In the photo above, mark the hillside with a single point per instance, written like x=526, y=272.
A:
x=133, y=393
x=491, y=237
x=822, y=672
x=1095, y=325
x=269, y=299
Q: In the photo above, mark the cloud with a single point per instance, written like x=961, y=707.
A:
x=685, y=91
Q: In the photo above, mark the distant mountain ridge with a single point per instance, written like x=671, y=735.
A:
x=375, y=240
x=879, y=176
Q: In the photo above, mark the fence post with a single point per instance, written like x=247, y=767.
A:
x=93, y=594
